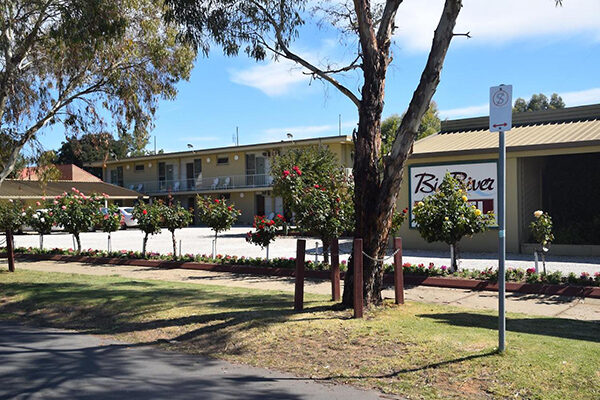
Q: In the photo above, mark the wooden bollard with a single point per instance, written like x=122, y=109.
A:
x=335, y=270
x=398, y=271
x=299, y=290
x=10, y=250
x=358, y=278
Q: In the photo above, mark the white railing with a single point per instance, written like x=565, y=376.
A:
x=213, y=183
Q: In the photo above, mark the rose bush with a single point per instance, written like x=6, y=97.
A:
x=216, y=214
x=265, y=231
x=174, y=217
x=111, y=221
x=41, y=220
x=541, y=230
x=148, y=217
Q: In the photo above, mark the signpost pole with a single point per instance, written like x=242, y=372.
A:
x=501, y=241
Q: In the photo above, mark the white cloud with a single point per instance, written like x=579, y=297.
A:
x=464, y=112
x=495, y=22
x=589, y=96
x=273, y=78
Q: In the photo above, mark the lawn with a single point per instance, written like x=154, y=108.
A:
x=417, y=350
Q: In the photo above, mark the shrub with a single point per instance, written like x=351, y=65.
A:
x=175, y=217
x=111, y=221
x=216, y=214
x=148, y=219
x=266, y=231
x=541, y=230
x=40, y=220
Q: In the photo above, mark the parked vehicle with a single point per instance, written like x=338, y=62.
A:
x=128, y=220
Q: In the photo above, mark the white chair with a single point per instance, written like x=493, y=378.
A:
x=215, y=184
x=176, y=186
x=271, y=216
x=226, y=183
x=140, y=187
x=130, y=187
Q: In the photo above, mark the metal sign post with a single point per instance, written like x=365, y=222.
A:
x=501, y=121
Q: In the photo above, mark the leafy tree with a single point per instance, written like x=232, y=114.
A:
x=446, y=216
x=266, y=231
x=430, y=124
x=316, y=189
x=216, y=214
x=538, y=102
x=12, y=216
x=88, y=65
x=175, y=217
x=91, y=147
x=261, y=28
x=76, y=212
x=541, y=230
x=41, y=219
x=148, y=217
x=111, y=221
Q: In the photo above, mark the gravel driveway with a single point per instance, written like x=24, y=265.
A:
x=199, y=240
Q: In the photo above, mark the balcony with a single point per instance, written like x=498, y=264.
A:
x=208, y=184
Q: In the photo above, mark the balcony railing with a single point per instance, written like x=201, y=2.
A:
x=214, y=183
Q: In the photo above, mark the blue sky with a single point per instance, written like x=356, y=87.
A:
x=531, y=44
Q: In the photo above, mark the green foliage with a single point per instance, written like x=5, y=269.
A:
x=92, y=147
x=12, y=215
x=111, y=219
x=266, y=230
x=175, y=217
x=76, y=212
x=446, y=215
x=430, y=124
x=148, y=217
x=42, y=219
x=216, y=213
x=538, y=102
x=397, y=220
x=541, y=228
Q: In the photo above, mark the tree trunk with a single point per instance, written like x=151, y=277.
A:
x=144, y=242
x=77, y=242
x=109, y=247
x=41, y=241
x=453, y=258
x=215, y=245
x=10, y=251
x=174, y=245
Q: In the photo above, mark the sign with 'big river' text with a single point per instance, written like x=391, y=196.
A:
x=481, y=179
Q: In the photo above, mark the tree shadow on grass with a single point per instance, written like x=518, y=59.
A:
x=557, y=327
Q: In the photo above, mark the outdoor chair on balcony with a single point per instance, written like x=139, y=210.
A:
x=140, y=187
x=131, y=187
x=215, y=184
x=226, y=183
x=176, y=186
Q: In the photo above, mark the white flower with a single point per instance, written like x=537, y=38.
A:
x=34, y=216
x=23, y=214
x=538, y=213
x=42, y=219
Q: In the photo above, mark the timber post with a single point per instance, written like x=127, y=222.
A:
x=299, y=288
x=358, y=278
x=335, y=270
x=398, y=271
x=10, y=250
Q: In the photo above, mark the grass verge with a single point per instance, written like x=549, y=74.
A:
x=417, y=350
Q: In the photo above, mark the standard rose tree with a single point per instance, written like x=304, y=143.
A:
x=41, y=219
x=111, y=221
x=77, y=213
x=148, y=219
x=266, y=231
x=216, y=214
x=541, y=230
x=446, y=216
x=175, y=217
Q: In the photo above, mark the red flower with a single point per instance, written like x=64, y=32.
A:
x=279, y=216
x=405, y=210
x=216, y=200
x=229, y=208
x=286, y=173
x=144, y=212
x=316, y=186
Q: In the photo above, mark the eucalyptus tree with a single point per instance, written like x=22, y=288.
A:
x=88, y=65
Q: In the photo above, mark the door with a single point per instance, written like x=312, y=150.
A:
x=260, y=171
x=189, y=176
x=260, y=204
x=250, y=169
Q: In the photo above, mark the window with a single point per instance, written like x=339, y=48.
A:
x=222, y=160
x=139, y=167
x=116, y=176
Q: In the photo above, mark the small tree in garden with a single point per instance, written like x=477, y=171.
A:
x=175, y=217
x=216, y=214
x=41, y=220
x=266, y=231
x=446, y=216
x=397, y=220
x=12, y=216
x=77, y=213
x=111, y=221
x=148, y=218
x=541, y=229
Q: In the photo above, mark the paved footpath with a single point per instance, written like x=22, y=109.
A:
x=541, y=305
x=57, y=364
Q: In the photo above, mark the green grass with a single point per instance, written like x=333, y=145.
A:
x=417, y=350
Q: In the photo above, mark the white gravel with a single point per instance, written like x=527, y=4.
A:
x=199, y=240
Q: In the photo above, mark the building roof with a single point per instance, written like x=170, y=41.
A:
x=569, y=127
x=29, y=189
x=68, y=172
x=229, y=149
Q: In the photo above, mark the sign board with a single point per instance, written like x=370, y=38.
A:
x=481, y=179
x=500, y=108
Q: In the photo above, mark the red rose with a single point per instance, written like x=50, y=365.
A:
x=216, y=200
x=316, y=186
x=229, y=208
x=144, y=212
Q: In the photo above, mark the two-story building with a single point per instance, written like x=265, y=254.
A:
x=240, y=174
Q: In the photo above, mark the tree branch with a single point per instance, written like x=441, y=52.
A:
x=387, y=22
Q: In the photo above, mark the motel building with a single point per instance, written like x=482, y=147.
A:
x=553, y=164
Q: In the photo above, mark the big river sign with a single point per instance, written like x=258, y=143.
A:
x=481, y=179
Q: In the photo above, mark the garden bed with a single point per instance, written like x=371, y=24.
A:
x=414, y=274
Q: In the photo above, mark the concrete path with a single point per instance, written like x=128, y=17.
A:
x=233, y=242
x=57, y=364
x=551, y=306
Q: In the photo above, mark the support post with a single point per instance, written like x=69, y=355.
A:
x=10, y=250
x=358, y=278
x=299, y=289
x=501, y=242
x=398, y=271
x=335, y=270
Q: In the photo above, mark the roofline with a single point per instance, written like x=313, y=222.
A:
x=579, y=113
x=282, y=143
x=109, y=198
x=509, y=149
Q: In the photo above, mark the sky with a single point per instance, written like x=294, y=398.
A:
x=533, y=45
